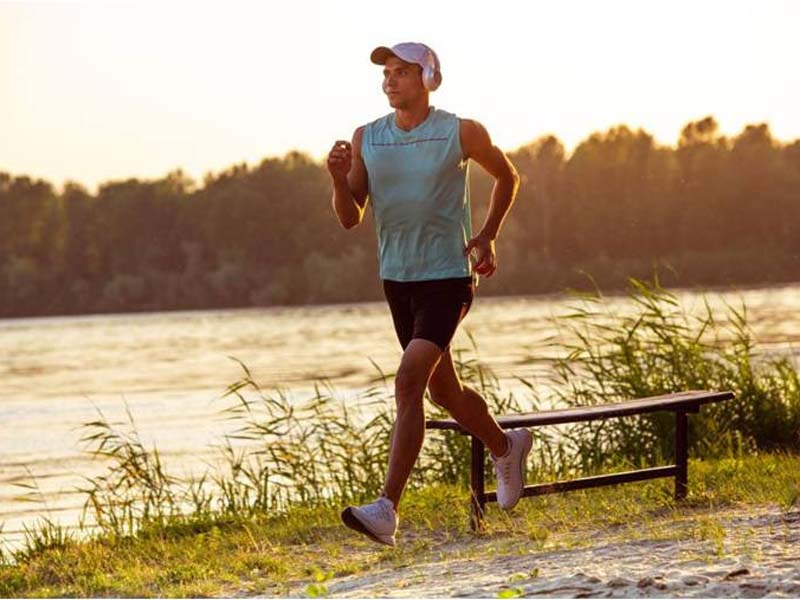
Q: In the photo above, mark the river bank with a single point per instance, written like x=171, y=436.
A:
x=736, y=535
x=735, y=552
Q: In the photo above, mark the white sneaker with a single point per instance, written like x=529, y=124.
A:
x=377, y=520
x=510, y=469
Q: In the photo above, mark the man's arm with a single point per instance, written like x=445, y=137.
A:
x=349, y=175
x=477, y=145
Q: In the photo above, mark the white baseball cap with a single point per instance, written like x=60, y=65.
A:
x=415, y=53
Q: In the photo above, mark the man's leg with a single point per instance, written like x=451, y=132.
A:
x=418, y=363
x=466, y=406
x=509, y=451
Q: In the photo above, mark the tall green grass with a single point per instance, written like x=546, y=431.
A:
x=662, y=347
x=331, y=448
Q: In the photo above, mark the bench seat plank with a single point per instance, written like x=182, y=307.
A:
x=689, y=401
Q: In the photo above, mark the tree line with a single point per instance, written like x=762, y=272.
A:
x=712, y=210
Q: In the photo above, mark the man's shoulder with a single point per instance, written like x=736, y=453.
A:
x=444, y=116
x=446, y=113
x=471, y=128
x=380, y=121
x=466, y=122
x=466, y=126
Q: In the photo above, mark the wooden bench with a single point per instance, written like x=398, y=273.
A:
x=680, y=403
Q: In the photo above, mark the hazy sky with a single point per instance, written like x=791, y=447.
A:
x=94, y=91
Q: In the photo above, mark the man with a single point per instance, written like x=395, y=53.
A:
x=412, y=165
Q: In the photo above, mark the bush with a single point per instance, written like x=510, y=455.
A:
x=661, y=348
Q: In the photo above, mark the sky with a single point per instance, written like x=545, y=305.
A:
x=92, y=92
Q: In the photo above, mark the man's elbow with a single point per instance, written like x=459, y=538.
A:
x=353, y=219
x=511, y=178
x=350, y=222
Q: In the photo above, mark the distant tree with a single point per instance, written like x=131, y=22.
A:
x=540, y=165
x=612, y=183
x=713, y=210
x=755, y=211
x=703, y=190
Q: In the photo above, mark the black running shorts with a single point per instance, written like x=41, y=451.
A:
x=430, y=310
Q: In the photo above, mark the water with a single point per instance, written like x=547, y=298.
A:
x=171, y=368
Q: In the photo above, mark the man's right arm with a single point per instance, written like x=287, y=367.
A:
x=349, y=175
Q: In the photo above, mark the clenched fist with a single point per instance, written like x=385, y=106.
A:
x=486, y=263
x=340, y=159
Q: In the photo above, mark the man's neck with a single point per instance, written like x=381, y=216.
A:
x=409, y=118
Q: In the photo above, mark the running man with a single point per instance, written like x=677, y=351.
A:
x=412, y=165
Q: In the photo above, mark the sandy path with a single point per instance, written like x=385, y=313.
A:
x=737, y=553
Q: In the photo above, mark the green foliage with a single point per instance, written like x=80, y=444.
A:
x=43, y=536
x=712, y=211
x=136, y=491
x=660, y=348
x=318, y=589
x=510, y=592
x=309, y=452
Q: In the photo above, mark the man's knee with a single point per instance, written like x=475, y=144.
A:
x=409, y=386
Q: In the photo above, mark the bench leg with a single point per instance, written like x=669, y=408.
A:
x=681, y=454
x=478, y=502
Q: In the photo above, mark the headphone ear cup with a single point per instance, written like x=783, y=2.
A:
x=437, y=80
x=426, y=77
x=431, y=78
x=431, y=75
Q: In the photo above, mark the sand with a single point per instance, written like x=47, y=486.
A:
x=737, y=553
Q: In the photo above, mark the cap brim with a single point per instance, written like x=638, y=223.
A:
x=381, y=54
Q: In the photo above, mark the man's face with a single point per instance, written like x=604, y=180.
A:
x=402, y=82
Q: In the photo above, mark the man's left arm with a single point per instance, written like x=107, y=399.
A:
x=477, y=145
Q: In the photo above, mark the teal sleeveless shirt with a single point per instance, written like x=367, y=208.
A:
x=419, y=191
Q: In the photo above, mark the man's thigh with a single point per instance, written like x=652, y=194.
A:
x=418, y=363
x=429, y=310
x=398, y=296
x=439, y=308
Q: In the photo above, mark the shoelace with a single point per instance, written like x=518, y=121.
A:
x=502, y=466
x=379, y=509
x=503, y=471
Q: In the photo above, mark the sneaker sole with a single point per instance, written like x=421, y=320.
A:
x=351, y=520
x=522, y=463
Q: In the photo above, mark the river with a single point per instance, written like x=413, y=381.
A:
x=171, y=368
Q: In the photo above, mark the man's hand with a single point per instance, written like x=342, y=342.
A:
x=340, y=159
x=487, y=259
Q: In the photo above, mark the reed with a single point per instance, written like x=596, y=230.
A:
x=136, y=489
x=332, y=449
x=661, y=347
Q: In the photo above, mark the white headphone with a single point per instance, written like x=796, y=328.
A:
x=431, y=73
